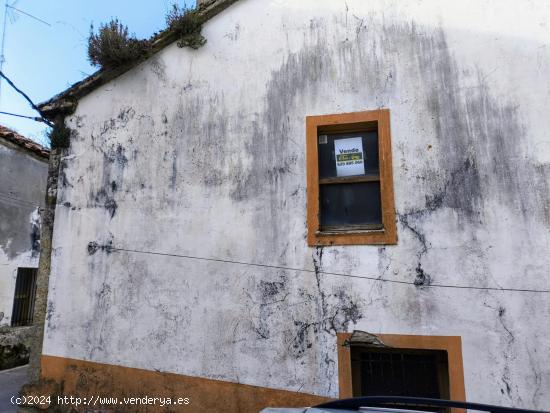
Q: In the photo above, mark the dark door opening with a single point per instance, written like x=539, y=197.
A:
x=23, y=300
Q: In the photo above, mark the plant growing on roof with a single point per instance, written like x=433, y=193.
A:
x=59, y=135
x=187, y=23
x=112, y=46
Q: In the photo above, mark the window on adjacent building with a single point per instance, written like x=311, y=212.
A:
x=350, y=187
x=23, y=300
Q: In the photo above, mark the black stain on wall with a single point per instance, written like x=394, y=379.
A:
x=334, y=311
x=114, y=163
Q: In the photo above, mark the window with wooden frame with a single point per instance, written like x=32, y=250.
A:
x=349, y=179
x=400, y=365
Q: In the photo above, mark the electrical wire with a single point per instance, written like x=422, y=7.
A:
x=462, y=287
x=27, y=14
x=27, y=98
x=35, y=118
x=8, y=196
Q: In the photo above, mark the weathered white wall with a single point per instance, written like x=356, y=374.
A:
x=22, y=189
x=201, y=153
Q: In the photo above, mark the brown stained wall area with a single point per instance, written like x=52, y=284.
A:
x=87, y=379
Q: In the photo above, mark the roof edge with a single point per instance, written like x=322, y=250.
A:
x=22, y=142
x=65, y=102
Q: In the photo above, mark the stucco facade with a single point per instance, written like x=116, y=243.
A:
x=191, y=166
x=23, y=175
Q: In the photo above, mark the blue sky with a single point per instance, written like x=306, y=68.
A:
x=44, y=60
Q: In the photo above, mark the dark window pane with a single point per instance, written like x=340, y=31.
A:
x=327, y=155
x=350, y=204
x=394, y=372
x=23, y=300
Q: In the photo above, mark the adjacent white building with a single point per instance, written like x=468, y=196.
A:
x=23, y=172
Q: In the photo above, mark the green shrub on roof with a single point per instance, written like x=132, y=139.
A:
x=112, y=46
x=59, y=135
x=187, y=23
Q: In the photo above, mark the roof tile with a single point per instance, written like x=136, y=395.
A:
x=23, y=142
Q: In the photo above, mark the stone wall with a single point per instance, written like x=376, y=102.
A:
x=15, y=345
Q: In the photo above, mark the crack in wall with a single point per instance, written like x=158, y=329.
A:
x=508, y=389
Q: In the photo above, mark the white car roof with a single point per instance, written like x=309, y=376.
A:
x=323, y=410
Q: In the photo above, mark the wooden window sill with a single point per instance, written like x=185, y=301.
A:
x=348, y=232
x=350, y=229
x=349, y=179
x=354, y=237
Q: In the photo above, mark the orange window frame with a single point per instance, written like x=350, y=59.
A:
x=347, y=123
x=451, y=344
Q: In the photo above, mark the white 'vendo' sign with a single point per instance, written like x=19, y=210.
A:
x=349, y=156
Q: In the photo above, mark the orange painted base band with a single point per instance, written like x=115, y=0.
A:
x=87, y=379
